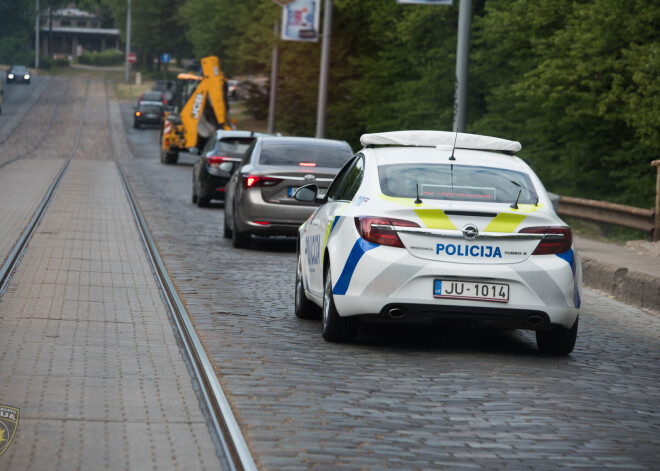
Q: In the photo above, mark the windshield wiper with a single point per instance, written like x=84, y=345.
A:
x=515, y=204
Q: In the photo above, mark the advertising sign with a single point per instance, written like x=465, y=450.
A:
x=424, y=2
x=301, y=20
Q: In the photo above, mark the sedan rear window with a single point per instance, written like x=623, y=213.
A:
x=318, y=155
x=456, y=182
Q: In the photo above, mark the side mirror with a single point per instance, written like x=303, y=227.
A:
x=306, y=194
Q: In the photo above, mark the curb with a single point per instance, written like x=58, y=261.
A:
x=630, y=287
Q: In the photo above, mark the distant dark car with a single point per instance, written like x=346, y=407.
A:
x=259, y=196
x=148, y=113
x=18, y=73
x=152, y=98
x=166, y=87
x=218, y=160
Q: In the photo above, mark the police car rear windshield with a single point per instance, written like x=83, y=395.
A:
x=292, y=154
x=456, y=183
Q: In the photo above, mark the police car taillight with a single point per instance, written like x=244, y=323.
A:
x=556, y=239
x=381, y=231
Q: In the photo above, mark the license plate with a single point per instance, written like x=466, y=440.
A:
x=151, y=115
x=474, y=290
x=293, y=189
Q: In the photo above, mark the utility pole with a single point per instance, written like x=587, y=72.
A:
x=274, y=71
x=462, y=61
x=36, y=40
x=127, y=73
x=325, y=70
x=50, y=31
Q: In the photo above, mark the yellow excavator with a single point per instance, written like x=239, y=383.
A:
x=200, y=108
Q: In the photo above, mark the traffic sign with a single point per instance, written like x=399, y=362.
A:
x=165, y=58
x=131, y=57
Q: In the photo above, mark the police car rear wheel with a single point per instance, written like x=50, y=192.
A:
x=304, y=308
x=334, y=327
x=559, y=341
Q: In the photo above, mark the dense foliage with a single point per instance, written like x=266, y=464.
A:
x=157, y=28
x=17, y=18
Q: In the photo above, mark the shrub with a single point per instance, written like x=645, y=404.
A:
x=107, y=57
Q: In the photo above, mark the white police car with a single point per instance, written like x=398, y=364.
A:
x=425, y=226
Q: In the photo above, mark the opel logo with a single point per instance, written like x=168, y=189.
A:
x=470, y=232
x=309, y=177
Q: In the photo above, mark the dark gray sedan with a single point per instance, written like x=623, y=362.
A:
x=259, y=196
x=18, y=73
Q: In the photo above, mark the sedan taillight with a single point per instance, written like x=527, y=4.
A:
x=381, y=231
x=556, y=239
x=250, y=181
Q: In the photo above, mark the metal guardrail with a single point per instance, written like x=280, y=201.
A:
x=646, y=220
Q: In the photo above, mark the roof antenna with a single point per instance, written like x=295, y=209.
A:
x=417, y=201
x=453, y=147
x=515, y=205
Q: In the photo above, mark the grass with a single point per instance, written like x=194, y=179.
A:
x=604, y=232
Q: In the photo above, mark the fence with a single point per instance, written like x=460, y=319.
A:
x=647, y=220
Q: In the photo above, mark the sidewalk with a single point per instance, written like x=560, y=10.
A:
x=631, y=274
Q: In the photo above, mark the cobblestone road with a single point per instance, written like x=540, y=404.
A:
x=399, y=398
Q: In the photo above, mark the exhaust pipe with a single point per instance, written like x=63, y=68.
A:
x=396, y=312
x=534, y=319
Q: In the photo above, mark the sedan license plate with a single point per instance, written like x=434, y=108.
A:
x=151, y=115
x=293, y=189
x=474, y=290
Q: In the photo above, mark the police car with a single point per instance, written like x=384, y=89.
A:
x=433, y=226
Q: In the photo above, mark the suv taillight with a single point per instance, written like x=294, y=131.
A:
x=557, y=239
x=380, y=230
x=215, y=160
x=250, y=181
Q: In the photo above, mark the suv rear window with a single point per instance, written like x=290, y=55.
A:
x=233, y=146
x=456, y=183
x=151, y=108
x=292, y=154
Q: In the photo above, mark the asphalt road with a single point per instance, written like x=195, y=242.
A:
x=399, y=397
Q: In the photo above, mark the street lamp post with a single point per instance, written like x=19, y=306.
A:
x=325, y=70
x=128, y=42
x=36, y=40
x=462, y=61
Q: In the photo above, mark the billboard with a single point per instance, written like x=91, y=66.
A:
x=301, y=20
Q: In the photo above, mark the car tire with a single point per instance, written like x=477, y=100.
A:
x=226, y=231
x=239, y=240
x=333, y=327
x=136, y=125
x=304, y=308
x=194, y=195
x=558, y=341
x=169, y=158
x=203, y=202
